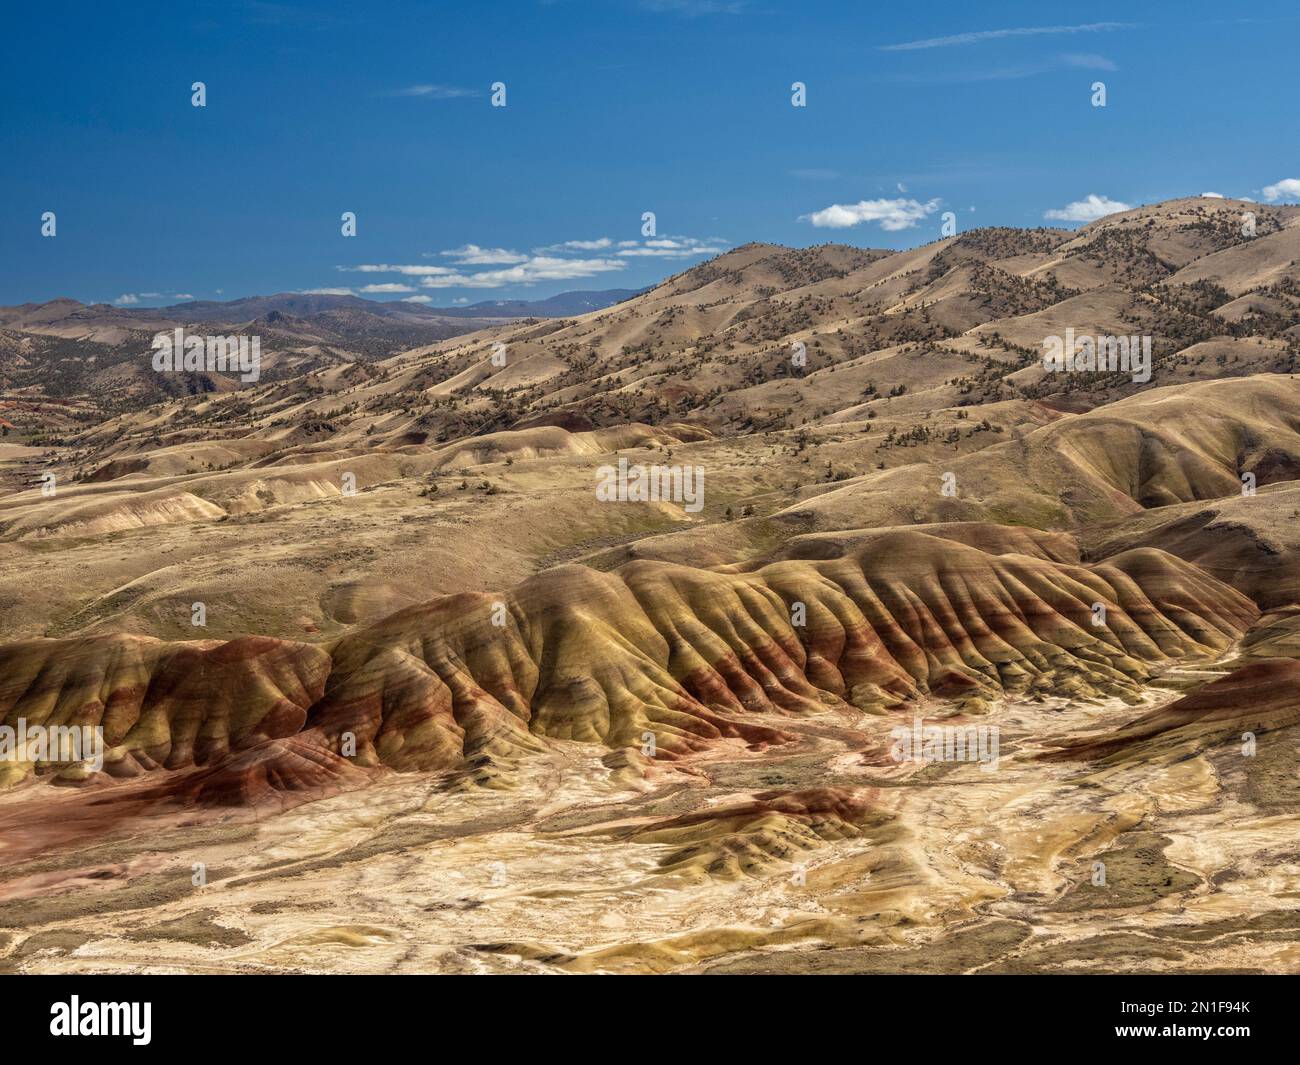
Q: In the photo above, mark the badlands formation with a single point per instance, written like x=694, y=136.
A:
x=386, y=686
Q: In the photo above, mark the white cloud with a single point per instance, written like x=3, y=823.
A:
x=598, y=244
x=473, y=255
x=1286, y=189
x=1088, y=209
x=891, y=214
x=1014, y=72
x=537, y=268
x=435, y=92
x=327, y=292
x=671, y=248
x=127, y=299
x=1212, y=195
x=993, y=35
x=182, y=296
x=551, y=263
x=418, y=299
x=655, y=247
x=416, y=270
x=1088, y=61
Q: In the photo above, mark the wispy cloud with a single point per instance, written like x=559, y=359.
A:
x=564, y=261
x=980, y=36
x=1089, y=209
x=473, y=255
x=537, y=268
x=600, y=244
x=533, y=269
x=892, y=215
x=386, y=287
x=671, y=248
x=435, y=92
x=408, y=269
x=1087, y=60
x=1074, y=60
x=1286, y=189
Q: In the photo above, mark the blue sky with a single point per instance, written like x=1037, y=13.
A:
x=613, y=108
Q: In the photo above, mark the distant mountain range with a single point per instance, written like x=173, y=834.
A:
x=307, y=305
x=565, y=305
x=63, y=311
x=64, y=346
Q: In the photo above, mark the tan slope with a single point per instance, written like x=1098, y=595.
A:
x=1249, y=541
x=1253, y=264
x=1178, y=232
x=1169, y=445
